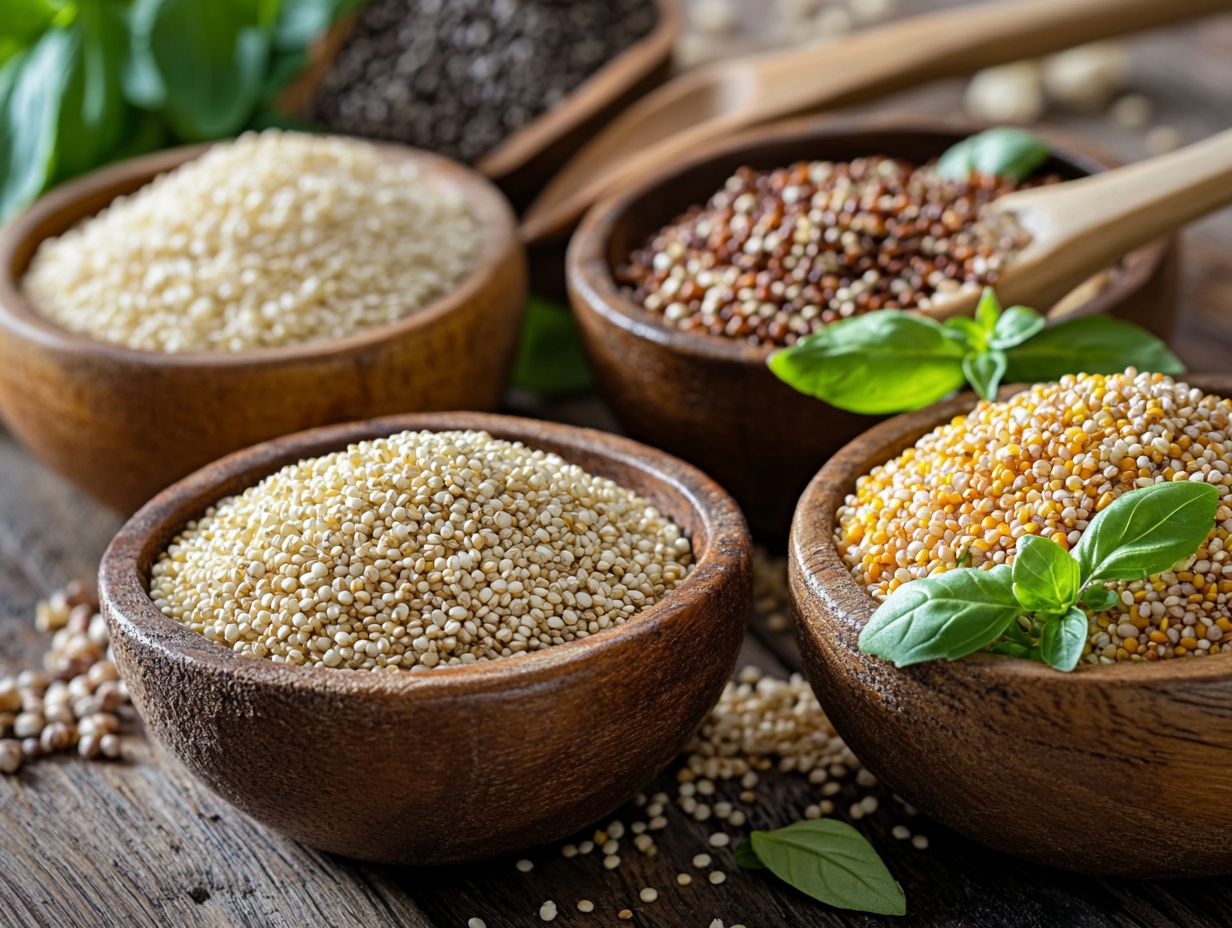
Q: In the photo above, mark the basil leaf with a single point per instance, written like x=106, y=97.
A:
x=1006, y=152
x=984, y=371
x=746, y=857
x=832, y=862
x=970, y=331
x=200, y=65
x=988, y=310
x=948, y=615
x=1147, y=531
x=1091, y=345
x=1064, y=638
x=881, y=362
x=1011, y=649
x=550, y=359
x=32, y=85
x=93, y=115
x=301, y=21
x=1015, y=326
x=1099, y=598
x=1046, y=578
x=25, y=20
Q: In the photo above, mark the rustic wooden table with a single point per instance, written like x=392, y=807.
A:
x=141, y=843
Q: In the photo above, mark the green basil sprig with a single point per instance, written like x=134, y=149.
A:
x=1005, y=152
x=84, y=82
x=828, y=860
x=1034, y=608
x=890, y=360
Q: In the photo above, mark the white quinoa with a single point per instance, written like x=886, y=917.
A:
x=418, y=550
x=1045, y=462
x=273, y=239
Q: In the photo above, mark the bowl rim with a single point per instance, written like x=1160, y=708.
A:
x=601, y=89
x=589, y=275
x=43, y=219
x=813, y=550
x=124, y=599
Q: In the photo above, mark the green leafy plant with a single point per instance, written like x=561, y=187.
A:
x=828, y=860
x=891, y=361
x=1034, y=609
x=1005, y=152
x=550, y=359
x=84, y=82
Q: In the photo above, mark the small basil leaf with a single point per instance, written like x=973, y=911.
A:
x=746, y=857
x=832, y=862
x=948, y=616
x=969, y=330
x=1010, y=649
x=984, y=371
x=94, y=116
x=1090, y=345
x=550, y=359
x=1015, y=326
x=1046, y=578
x=1005, y=152
x=1016, y=633
x=881, y=362
x=1147, y=531
x=1099, y=598
x=1063, y=639
x=988, y=311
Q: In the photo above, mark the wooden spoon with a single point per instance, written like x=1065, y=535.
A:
x=719, y=99
x=1083, y=226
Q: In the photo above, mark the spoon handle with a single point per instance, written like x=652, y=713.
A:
x=725, y=97
x=1081, y=227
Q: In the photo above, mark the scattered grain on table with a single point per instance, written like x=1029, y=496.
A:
x=270, y=240
x=1044, y=463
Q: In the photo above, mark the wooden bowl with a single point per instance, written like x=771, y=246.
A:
x=123, y=423
x=456, y=763
x=524, y=162
x=713, y=401
x=1109, y=769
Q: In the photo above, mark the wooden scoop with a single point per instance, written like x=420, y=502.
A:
x=1081, y=227
x=719, y=99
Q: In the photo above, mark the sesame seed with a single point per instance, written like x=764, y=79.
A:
x=585, y=905
x=720, y=839
x=525, y=866
x=611, y=861
x=476, y=923
x=683, y=879
x=716, y=877
x=648, y=894
x=547, y=911
x=701, y=861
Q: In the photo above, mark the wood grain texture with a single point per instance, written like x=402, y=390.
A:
x=124, y=423
x=461, y=762
x=87, y=818
x=949, y=736
x=714, y=401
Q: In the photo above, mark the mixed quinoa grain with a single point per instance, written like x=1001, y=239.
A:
x=777, y=255
x=1044, y=463
x=419, y=550
x=459, y=77
x=272, y=239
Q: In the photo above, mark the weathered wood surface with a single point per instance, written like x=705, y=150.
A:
x=141, y=843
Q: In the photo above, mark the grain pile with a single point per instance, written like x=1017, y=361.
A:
x=419, y=550
x=1045, y=462
x=270, y=240
x=459, y=77
x=777, y=255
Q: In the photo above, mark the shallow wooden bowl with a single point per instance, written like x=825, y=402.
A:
x=524, y=162
x=456, y=763
x=123, y=423
x=713, y=401
x=1110, y=769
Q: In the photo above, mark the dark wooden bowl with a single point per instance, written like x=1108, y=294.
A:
x=1109, y=769
x=713, y=401
x=524, y=162
x=456, y=763
x=123, y=423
